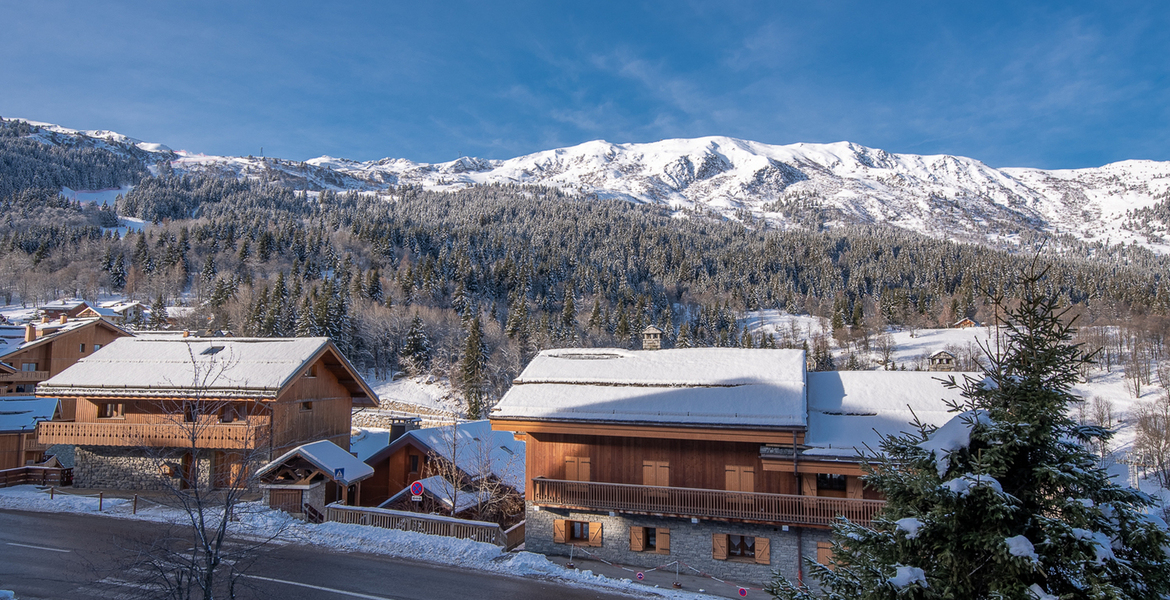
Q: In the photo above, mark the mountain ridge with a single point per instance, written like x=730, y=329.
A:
x=784, y=186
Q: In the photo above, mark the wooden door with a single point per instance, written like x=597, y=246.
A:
x=187, y=478
x=286, y=500
x=229, y=470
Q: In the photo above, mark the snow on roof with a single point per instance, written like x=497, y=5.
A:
x=846, y=407
x=328, y=457
x=12, y=336
x=476, y=450
x=21, y=413
x=101, y=311
x=719, y=386
x=64, y=304
x=457, y=500
x=148, y=366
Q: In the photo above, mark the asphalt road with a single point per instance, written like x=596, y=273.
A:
x=46, y=555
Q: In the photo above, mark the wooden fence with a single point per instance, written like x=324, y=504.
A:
x=711, y=504
x=479, y=531
x=36, y=476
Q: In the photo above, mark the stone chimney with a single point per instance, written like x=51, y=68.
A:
x=651, y=338
x=30, y=333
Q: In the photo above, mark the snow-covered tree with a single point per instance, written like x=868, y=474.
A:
x=416, y=351
x=1004, y=500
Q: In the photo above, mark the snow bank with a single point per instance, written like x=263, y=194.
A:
x=1020, y=546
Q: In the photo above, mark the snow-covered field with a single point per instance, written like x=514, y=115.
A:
x=259, y=522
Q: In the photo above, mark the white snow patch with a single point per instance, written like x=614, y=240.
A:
x=1039, y=593
x=964, y=484
x=1100, y=542
x=910, y=525
x=907, y=576
x=953, y=436
x=1020, y=546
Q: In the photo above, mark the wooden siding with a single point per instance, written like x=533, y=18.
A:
x=329, y=418
x=392, y=474
x=59, y=353
x=692, y=463
x=675, y=432
x=16, y=449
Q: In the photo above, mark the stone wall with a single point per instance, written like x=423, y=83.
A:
x=113, y=467
x=690, y=543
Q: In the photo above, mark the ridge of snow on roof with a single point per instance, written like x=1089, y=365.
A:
x=478, y=451
x=846, y=407
x=219, y=367
x=328, y=457
x=693, y=386
x=22, y=413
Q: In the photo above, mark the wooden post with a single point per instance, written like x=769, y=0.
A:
x=135, y=503
x=51, y=490
x=101, y=498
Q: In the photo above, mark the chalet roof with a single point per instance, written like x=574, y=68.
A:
x=64, y=304
x=328, y=457
x=476, y=450
x=154, y=367
x=442, y=490
x=693, y=386
x=101, y=311
x=12, y=336
x=942, y=353
x=21, y=413
x=848, y=409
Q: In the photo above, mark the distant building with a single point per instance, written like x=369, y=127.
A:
x=303, y=480
x=965, y=323
x=18, y=429
x=119, y=313
x=651, y=338
x=37, y=351
x=70, y=308
x=942, y=361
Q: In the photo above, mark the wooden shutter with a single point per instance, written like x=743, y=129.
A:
x=572, y=470
x=763, y=551
x=584, y=472
x=732, y=478
x=853, y=487
x=649, y=474
x=559, y=531
x=747, y=479
x=808, y=484
x=825, y=553
x=663, y=469
x=719, y=546
x=637, y=539
x=595, y=534
x=663, y=541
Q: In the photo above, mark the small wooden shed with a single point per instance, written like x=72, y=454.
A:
x=303, y=480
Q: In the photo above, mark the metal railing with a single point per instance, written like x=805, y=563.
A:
x=479, y=531
x=157, y=435
x=784, y=509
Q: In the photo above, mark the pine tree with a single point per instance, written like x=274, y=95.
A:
x=569, y=311
x=416, y=351
x=1005, y=500
x=473, y=370
x=158, y=314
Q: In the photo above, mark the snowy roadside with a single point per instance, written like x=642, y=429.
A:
x=259, y=522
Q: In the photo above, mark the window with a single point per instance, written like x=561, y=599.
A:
x=97, y=347
x=576, y=532
x=311, y=371
x=28, y=367
x=825, y=554
x=414, y=463
x=741, y=548
x=82, y=348
x=306, y=406
x=25, y=389
x=232, y=412
x=830, y=481
x=110, y=411
x=650, y=539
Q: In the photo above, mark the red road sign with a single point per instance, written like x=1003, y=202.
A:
x=416, y=488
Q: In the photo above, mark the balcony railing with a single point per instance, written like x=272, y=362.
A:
x=37, y=376
x=156, y=435
x=707, y=504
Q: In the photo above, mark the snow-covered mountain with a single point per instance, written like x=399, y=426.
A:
x=798, y=185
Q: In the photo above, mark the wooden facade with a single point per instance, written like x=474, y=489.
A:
x=18, y=449
x=47, y=352
x=394, y=471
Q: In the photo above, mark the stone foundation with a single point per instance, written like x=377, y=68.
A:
x=690, y=543
x=133, y=468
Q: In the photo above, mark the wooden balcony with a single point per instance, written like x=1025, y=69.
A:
x=233, y=436
x=781, y=509
x=24, y=376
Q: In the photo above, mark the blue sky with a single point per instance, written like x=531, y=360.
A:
x=1057, y=85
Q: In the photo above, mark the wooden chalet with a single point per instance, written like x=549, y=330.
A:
x=942, y=361
x=708, y=454
x=303, y=480
x=470, y=452
x=70, y=308
x=37, y=351
x=18, y=429
x=964, y=323
x=228, y=401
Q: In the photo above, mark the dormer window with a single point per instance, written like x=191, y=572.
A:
x=212, y=350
